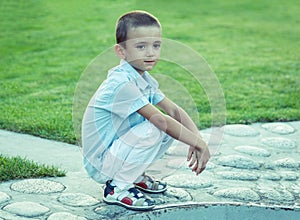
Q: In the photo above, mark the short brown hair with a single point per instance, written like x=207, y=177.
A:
x=133, y=19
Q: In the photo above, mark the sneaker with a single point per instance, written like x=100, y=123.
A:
x=150, y=185
x=130, y=198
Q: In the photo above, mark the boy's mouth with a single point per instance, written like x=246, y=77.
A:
x=149, y=61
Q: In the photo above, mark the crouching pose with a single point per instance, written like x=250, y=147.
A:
x=123, y=131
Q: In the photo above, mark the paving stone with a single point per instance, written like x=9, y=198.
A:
x=278, y=128
x=64, y=216
x=274, y=195
x=27, y=209
x=292, y=187
x=279, y=143
x=287, y=163
x=270, y=194
x=253, y=151
x=161, y=201
x=231, y=175
x=286, y=196
x=109, y=211
x=238, y=161
x=289, y=175
x=178, y=163
x=9, y=216
x=37, y=186
x=210, y=166
x=182, y=164
x=245, y=194
x=77, y=199
x=240, y=130
x=271, y=176
x=178, y=149
x=178, y=193
x=188, y=181
x=4, y=197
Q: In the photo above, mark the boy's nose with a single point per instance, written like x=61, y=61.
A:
x=150, y=52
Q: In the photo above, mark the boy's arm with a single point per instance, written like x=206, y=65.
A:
x=178, y=114
x=179, y=132
x=181, y=116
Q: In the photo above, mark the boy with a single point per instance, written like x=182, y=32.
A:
x=123, y=132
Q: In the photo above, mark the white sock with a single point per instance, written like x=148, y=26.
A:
x=121, y=185
x=139, y=179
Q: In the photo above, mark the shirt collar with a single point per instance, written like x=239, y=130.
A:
x=141, y=82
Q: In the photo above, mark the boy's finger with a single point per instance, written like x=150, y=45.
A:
x=201, y=165
x=200, y=168
x=195, y=169
x=194, y=159
x=190, y=153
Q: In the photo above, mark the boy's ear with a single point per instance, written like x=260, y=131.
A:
x=120, y=51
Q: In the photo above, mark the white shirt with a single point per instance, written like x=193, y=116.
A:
x=111, y=112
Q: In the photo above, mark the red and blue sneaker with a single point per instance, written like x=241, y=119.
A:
x=130, y=198
x=150, y=185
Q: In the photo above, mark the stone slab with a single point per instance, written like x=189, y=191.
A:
x=242, y=193
x=37, y=186
x=64, y=216
x=280, y=143
x=27, y=209
x=278, y=128
x=188, y=181
x=253, y=151
x=240, y=130
x=4, y=197
x=77, y=199
x=238, y=161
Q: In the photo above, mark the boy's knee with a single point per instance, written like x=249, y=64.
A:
x=148, y=134
x=144, y=135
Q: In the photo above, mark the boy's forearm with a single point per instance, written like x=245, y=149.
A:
x=176, y=130
x=187, y=133
x=185, y=120
x=178, y=114
x=184, y=134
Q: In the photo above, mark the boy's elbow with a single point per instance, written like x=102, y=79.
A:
x=160, y=121
x=176, y=113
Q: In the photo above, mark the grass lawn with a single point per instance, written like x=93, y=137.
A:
x=21, y=168
x=252, y=46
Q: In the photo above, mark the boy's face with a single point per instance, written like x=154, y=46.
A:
x=142, y=48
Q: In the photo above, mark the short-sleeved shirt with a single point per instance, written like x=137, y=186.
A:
x=112, y=111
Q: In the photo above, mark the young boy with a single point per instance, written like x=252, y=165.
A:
x=123, y=132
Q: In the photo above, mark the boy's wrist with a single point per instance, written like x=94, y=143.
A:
x=200, y=145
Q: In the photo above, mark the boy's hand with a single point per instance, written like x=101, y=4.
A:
x=199, y=158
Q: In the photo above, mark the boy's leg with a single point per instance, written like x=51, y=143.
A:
x=167, y=141
x=133, y=153
x=149, y=184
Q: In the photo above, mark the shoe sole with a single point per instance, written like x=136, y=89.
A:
x=151, y=191
x=135, y=208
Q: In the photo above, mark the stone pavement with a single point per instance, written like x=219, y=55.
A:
x=254, y=164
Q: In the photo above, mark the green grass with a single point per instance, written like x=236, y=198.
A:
x=251, y=45
x=20, y=168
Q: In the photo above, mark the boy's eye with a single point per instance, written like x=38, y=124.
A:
x=140, y=47
x=157, y=46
